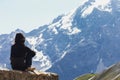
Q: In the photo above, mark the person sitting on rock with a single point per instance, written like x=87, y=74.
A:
x=21, y=56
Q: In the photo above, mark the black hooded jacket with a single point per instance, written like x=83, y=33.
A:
x=21, y=55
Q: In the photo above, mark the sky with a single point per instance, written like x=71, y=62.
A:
x=31, y=14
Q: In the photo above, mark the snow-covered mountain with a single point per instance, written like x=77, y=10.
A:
x=85, y=40
x=95, y=45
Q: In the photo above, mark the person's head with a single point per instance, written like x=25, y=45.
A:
x=19, y=38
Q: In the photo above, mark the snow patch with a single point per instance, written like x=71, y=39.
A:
x=53, y=27
x=41, y=61
x=75, y=30
x=83, y=2
x=55, y=30
x=56, y=48
x=67, y=20
x=3, y=67
x=35, y=40
x=32, y=40
x=0, y=47
x=67, y=24
x=103, y=5
x=64, y=53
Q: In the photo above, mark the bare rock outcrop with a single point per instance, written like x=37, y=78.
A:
x=21, y=75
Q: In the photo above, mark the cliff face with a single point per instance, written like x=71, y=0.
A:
x=19, y=75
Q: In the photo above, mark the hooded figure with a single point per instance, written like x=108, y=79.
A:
x=21, y=56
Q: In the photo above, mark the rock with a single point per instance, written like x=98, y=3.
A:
x=112, y=73
x=21, y=75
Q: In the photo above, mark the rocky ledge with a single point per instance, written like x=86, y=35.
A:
x=20, y=75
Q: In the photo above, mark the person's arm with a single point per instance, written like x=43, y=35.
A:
x=11, y=52
x=30, y=52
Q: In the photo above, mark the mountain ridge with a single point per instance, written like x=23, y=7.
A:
x=75, y=42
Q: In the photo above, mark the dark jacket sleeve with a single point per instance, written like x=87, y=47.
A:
x=30, y=52
x=11, y=52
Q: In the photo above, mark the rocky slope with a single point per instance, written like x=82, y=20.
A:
x=112, y=73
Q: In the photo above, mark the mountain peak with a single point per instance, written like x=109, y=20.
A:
x=19, y=30
x=103, y=5
x=16, y=31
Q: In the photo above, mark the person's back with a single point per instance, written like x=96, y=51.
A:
x=21, y=55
